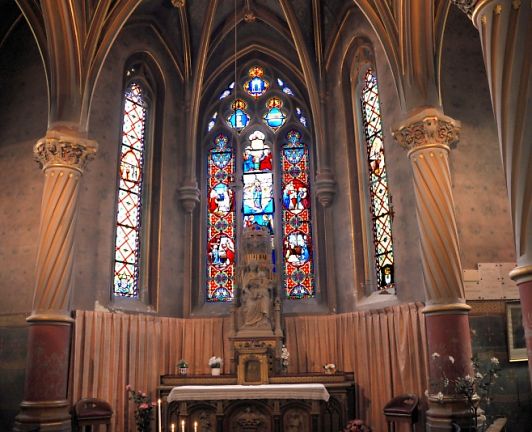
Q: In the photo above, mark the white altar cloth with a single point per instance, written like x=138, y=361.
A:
x=264, y=391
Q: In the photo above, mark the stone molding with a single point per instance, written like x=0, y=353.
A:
x=325, y=187
x=429, y=128
x=61, y=150
x=189, y=195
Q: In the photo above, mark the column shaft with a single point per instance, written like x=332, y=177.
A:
x=45, y=405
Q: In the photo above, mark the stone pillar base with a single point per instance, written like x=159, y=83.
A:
x=442, y=414
x=44, y=416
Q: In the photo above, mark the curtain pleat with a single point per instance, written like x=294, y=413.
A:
x=385, y=349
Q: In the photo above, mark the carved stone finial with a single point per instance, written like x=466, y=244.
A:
x=325, y=187
x=189, y=195
x=58, y=149
x=427, y=128
x=178, y=3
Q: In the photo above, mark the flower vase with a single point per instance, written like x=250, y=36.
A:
x=183, y=371
x=216, y=371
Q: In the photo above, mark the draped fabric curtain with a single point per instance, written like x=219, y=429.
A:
x=386, y=350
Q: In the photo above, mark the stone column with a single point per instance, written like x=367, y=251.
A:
x=505, y=29
x=428, y=135
x=62, y=157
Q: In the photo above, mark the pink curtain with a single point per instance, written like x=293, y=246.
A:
x=385, y=349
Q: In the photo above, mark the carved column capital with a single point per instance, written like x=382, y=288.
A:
x=325, y=187
x=189, y=195
x=428, y=128
x=62, y=150
x=466, y=6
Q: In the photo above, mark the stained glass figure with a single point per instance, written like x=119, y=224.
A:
x=227, y=91
x=298, y=266
x=238, y=119
x=257, y=176
x=221, y=222
x=381, y=213
x=212, y=122
x=130, y=188
x=275, y=117
x=257, y=85
x=301, y=116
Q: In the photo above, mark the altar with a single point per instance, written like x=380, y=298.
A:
x=290, y=402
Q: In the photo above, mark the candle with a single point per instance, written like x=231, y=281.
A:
x=195, y=426
x=182, y=425
x=159, y=412
x=173, y=427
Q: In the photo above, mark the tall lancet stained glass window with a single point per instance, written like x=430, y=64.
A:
x=298, y=272
x=221, y=221
x=130, y=192
x=380, y=206
x=256, y=160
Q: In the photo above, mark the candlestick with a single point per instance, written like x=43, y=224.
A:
x=159, y=412
x=195, y=426
x=182, y=425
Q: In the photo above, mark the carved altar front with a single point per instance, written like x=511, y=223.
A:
x=259, y=415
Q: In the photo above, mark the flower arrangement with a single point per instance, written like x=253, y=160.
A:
x=143, y=410
x=474, y=388
x=215, y=362
x=330, y=368
x=356, y=425
x=285, y=357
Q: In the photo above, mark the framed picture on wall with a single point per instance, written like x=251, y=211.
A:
x=515, y=332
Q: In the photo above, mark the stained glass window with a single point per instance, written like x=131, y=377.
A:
x=380, y=207
x=298, y=272
x=256, y=86
x=221, y=222
x=212, y=122
x=130, y=188
x=272, y=177
x=239, y=118
x=301, y=116
x=275, y=117
x=227, y=91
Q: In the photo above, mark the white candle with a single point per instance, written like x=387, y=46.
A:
x=182, y=425
x=159, y=416
x=173, y=427
x=195, y=426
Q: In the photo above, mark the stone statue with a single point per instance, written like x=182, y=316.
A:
x=257, y=296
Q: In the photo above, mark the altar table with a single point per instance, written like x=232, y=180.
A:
x=233, y=392
x=290, y=403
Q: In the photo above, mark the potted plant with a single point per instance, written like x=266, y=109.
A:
x=215, y=363
x=182, y=367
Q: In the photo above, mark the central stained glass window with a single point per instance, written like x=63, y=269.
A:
x=258, y=168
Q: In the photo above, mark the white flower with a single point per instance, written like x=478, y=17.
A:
x=427, y=392
x=451, y=359
x=479, y=375
x=284, y=353
x=468, y=378
x=435, y=355
x=215, y=362
x=494, y=360
x=495, y=375
x=439, y=396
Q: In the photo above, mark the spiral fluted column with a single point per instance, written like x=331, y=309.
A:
x=428, y=136
x=45, y=406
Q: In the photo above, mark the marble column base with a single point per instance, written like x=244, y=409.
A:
x=45, y=406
